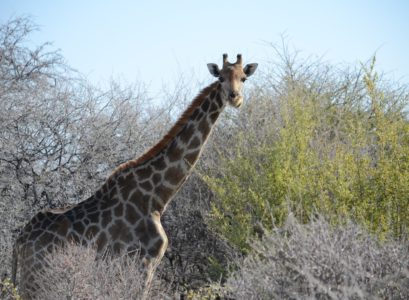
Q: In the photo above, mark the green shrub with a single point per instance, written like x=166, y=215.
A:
x=341, y=154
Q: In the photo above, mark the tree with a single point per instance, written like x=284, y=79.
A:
x=59, y=135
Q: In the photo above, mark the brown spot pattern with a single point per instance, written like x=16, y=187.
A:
x=111, y=183
x=174, y=175
x=212, y=94
x=140, y=229
x=156, y=205
x=119, y=209
x=204, y=127
x=159, y=164
x=219, y=100
x=131, y=215
x=136, y=197
x=199, y=116
x=143, y=204
x=213, y=107
x=107, y=202
x=144, y=173
x=146, y=185
x=126, y=235
x=126, y=185
x=195, y=143
x=205, y=105
x=156, y=178
x=187, y=133
x=192, y=157
x=101, y=241
x=163, y=192
x=174, y=153
x=94, y=217
x=214, y=116
x=116, y=228
x=106, y=218
x=91, y=232
x=78, y=227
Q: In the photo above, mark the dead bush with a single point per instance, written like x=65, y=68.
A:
x=317, y=261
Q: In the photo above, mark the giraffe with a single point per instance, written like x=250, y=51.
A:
x=123, y=215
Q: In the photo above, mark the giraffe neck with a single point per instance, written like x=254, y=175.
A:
x=184, y=150
x=152, y=180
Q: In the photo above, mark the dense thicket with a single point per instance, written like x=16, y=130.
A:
x=334, y=142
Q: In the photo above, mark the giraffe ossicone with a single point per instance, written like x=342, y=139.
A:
x=123, y=216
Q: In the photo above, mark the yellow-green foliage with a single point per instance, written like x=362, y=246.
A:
x=343, y=160
x=211, y=292
x=8, y=290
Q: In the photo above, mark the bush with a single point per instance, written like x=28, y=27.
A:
x=337, y=145
x=74, y=273
x=318, y=261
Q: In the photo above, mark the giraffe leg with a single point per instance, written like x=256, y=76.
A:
x=150, y=265
x=14, y=265
x=149, y=271
x=154, y=253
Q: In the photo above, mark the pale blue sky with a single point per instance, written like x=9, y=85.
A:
x=155, y=41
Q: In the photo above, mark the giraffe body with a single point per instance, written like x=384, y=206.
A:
x=123, y=216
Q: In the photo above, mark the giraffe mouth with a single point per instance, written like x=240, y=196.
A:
x=236, y=102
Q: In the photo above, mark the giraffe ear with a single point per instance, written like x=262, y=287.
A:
x=249, y=69
x=214, y=70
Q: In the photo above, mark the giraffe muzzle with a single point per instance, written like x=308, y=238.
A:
x=236, y=101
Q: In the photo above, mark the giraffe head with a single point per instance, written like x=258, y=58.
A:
x=232, y=77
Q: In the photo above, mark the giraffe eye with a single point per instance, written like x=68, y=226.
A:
x=221, y=79
x=243, y=79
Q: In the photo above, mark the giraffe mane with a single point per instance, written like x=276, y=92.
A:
x=170, y=135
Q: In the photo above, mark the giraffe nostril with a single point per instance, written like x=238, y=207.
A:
x=233, y=95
